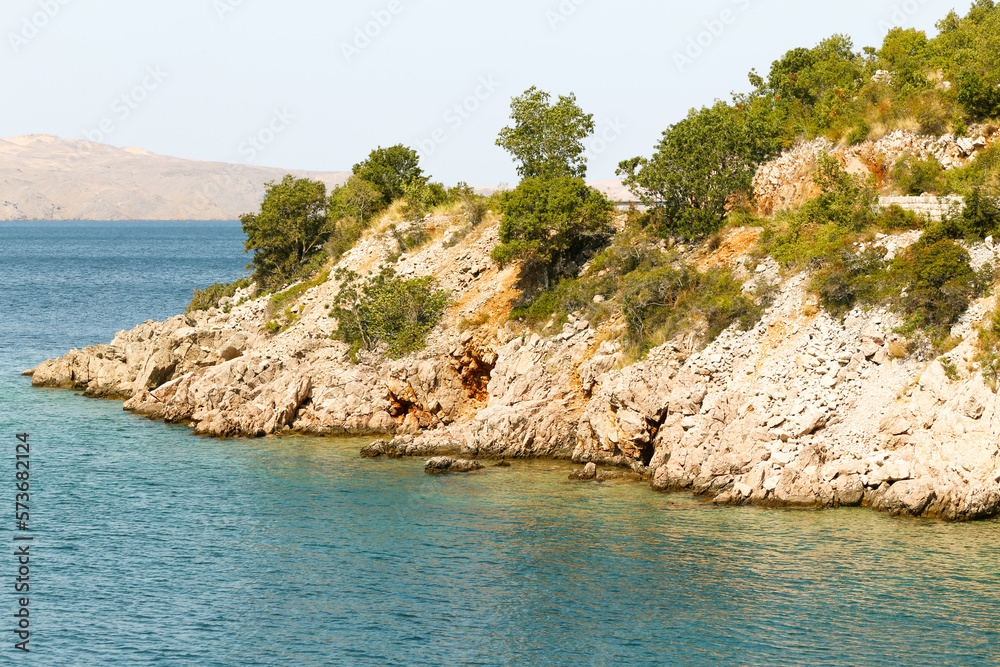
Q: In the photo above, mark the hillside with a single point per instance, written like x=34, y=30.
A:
x=47, y=178
x=798, y=407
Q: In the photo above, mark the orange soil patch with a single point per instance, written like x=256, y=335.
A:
x=498, y=306
x=736, y=245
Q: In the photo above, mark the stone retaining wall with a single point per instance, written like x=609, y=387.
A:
x=927, y=205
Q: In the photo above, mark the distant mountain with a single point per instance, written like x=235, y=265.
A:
x=614, y=189
x=47, y=178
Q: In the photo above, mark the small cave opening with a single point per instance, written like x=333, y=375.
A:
x=399, y=407
x=475, y=373
x=646, y=453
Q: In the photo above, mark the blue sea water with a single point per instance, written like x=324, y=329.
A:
x=155, y=547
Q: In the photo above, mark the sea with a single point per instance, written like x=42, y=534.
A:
x=152, y=546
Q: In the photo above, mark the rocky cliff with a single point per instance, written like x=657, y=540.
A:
x=801, y=410
x=786, y=182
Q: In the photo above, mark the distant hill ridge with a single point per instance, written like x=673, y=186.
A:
x=43, y=177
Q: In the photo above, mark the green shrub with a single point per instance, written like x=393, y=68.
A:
x=895, y=217
x=473, y=205
x=846, y=200
x=981, y=174
x=655, y=294
x=284, y=299
x=859, y=133
x=659, y=303
x=848, y=279
x=988, y=346
x=702, y=166
x=915, y=177
x=420, y=197
x=211, y=296
x=981, y=216
x=391, y=170
x=931, y=284
x=978, y=96
x=349, y=212
x=386, y=310
x=410, y=239
x=568, y=296
x=345, y=235
x=287, y=235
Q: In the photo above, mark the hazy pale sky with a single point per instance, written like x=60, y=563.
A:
x=317, y=85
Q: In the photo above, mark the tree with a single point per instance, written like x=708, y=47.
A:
x=356, y=199
x=904, y=53
x=391, y=170
x=288, y=232
x=546, y=140
x=810, y=75
x=701, y=164
x=968, y=52
x=349, y=212
x=549, y=222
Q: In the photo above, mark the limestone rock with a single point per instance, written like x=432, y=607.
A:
x=907, y=497
x=443, y=464
x=589, y=472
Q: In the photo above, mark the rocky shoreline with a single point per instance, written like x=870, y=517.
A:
x=802, y=410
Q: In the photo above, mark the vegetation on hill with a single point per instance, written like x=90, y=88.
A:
x=698, y=179
x=386, y=310
x=702, y=167
x=549, y=223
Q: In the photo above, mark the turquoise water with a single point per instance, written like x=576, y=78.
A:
x=155, y=547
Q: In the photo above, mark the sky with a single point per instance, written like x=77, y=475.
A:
x=317, y=85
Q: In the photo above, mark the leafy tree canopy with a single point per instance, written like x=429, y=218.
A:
x=546, y=139
x=357, y=199
x=968, y=52
x=700, y=166
x=390, y=170
x=549, y=222
x=289, y=231
x=904, y=53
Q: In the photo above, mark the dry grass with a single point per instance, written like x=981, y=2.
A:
x=473, y=322
x=391, y=216
x=877, y=131
x=452, y=210
x=897, y=350
x=908, y=123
